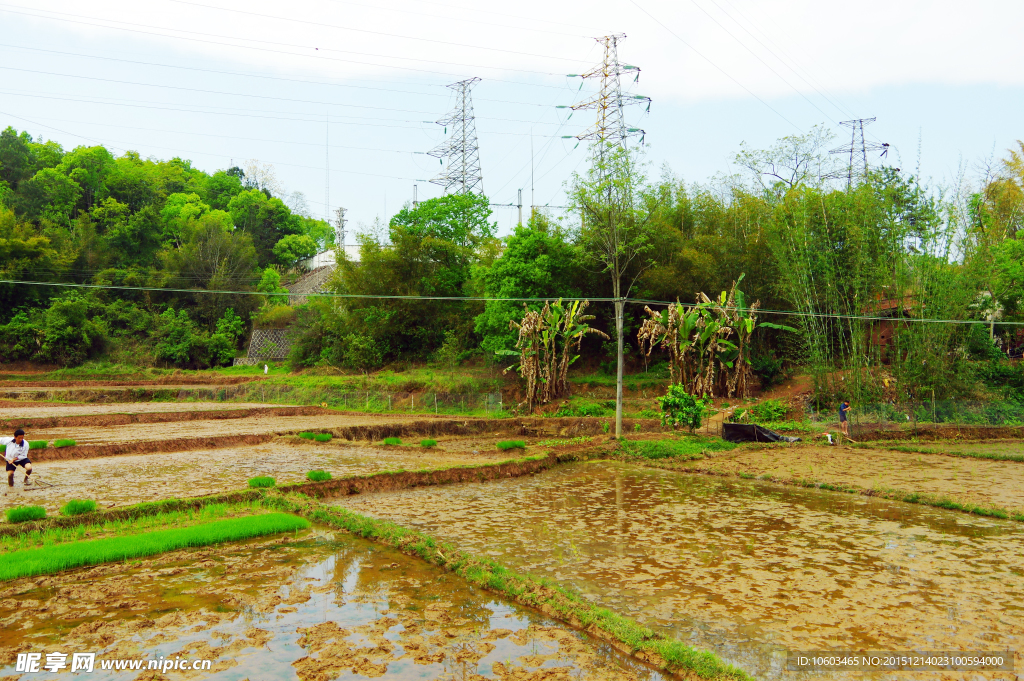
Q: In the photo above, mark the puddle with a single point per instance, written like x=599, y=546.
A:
x=128, y=479
x=746, y=569
x=314, y=607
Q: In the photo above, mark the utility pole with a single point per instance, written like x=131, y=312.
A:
x=520, y=204
x=415, y=197
x=462, y=150
x=858, y=147
x=610, y=130
x=339, y=227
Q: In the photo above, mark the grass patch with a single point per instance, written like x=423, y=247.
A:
x=688, y=449
x=318, y=476
x=306, y=436
x=428, y=443
x=64, y=443
x=322, y=437
x=78, y=507
x=565, y=442
x=565, y=604
x=37, y=444
x=50, y=559
x=511, y=444
x=261, y=481
x=20, y=514
x=146, y=519
x=392, y=441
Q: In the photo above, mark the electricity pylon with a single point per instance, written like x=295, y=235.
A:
x=461, y=149
x=339, y=226
x=610, y=101
x=857, y=144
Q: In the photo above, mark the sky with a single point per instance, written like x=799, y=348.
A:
x=342, y=98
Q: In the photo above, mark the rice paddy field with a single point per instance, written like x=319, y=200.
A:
x=736, y=556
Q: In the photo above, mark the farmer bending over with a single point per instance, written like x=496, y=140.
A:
x=16, y=455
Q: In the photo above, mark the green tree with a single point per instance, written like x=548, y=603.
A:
x=294, y=247
x=616, y=232
x=265, y=220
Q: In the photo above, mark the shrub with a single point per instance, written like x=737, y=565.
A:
x=261, y=481
x=78, y=507
x=428, y=443
x=322, y=437
x=769, y=369
x=64, y=443
x=511, y=444
x=769, y=410
x=37, y=444
x=306, y=436
x=583, y=409
x=275, y=317
x=392, y=441
x=20, y=514
x=680, y=408
x=318, y=476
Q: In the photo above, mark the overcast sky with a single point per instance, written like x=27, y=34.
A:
x=355, y=86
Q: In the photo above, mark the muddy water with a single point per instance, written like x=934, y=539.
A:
x=980, y=481
x=121, y=480
x=746, y=569
x=313, y=607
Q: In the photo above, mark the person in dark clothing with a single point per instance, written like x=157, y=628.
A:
x=844, y=423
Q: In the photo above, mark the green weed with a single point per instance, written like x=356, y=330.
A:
x=78, y=507
x=50, y=559
x=306, y=436
x=688, y=449
x=392, y=441
x=64, y=443
x=20, y=514
x=261, y=481
x=428, y=443
x=565, y=442
x=769, y=410
x=318, y=476
x=322, y=437
x=511, y=444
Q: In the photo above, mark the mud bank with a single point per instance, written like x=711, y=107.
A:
x=173, y=379
x=107, y=420
x=147, y=447
x=525, y=427
x=944, y=432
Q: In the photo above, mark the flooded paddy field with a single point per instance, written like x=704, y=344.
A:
x=746, y=569
x=314, y=606
x=984, y=482
x=128, y=479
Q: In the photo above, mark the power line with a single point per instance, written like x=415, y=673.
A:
x=263, y=76
x=306, y=54
x=633, y=301
x=319, y=24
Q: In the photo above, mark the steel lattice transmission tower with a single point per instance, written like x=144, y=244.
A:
x=858, y=147
x=462, y=175
x=610, y=101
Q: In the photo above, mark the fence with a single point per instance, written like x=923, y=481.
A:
x=363, y=400
x=935, y=413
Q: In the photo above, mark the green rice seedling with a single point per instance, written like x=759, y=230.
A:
x=318, y=476
x=261, y=481
x=50, y=559
x=511, y=444
x=78, y=507
x=306, y=436
x=322, y=437
x=37, y=444
x=687, y=449
x=392, y=441
x=64, y=443
x=428, y=443
x=20, y=514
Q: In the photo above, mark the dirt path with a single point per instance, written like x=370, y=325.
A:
x=26, y=410
x=977, y=481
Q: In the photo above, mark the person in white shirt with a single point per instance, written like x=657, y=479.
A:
x=16, y=454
